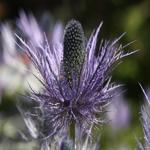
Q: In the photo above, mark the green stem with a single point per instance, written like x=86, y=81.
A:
x=72, y=133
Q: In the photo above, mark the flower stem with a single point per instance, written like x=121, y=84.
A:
x=72, y=133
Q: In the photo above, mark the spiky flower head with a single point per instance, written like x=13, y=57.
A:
x=76, y=84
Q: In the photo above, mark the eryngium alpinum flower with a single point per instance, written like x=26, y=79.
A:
x=76, y=82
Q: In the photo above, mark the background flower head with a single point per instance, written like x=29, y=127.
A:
x=145, y=110
x=119, y=112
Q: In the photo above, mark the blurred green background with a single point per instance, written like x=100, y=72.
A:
x=119, y=16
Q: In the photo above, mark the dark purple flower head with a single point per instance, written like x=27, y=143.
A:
x=76, y=82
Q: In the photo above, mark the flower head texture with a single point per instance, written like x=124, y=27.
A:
x=76, y=82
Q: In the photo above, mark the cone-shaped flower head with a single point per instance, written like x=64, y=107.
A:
x=74, y=49
x=76, y=84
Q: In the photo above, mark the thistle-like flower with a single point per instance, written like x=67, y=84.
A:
x=76, y=82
